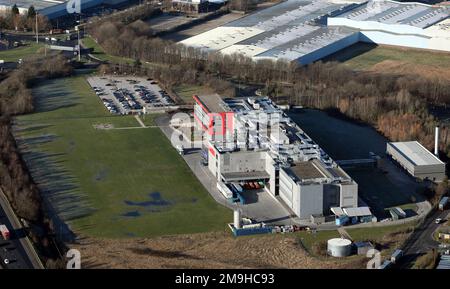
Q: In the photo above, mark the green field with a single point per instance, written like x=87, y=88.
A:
x=186, y=92
x=110, y=183
x=99, y=53
x=362, y=56
x=13, y=55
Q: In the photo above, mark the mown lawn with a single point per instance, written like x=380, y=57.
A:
x=13, y=55
x=133, y=183
x=362, y=56
x=186, y=92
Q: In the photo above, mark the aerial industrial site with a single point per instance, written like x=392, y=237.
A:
x=239, y=134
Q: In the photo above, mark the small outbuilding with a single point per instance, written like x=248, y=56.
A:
x=362, y=248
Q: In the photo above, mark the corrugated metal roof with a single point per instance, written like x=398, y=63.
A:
x=389, y=12
x=357, y=212
x=337, y=211
x=416, y=153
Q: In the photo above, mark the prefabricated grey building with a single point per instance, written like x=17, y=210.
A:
x=417, y=160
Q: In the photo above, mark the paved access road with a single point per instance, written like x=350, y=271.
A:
x=18, y=250
x=421, y=240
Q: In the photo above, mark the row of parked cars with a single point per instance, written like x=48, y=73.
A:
x=151, y=98
x=127, y=99
x=109, y=104
x=166, y=98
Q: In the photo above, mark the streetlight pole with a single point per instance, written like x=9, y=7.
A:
x=79, y=45
x=37, y=31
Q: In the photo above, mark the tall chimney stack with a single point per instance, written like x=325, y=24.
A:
x=436, y=142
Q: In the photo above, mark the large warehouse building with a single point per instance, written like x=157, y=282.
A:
x=417, y=160
x=54, y=8
x=306, y=30
x=252, y=140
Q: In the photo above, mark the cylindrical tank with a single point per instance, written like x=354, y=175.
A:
x=339, y=247
x=237, y=219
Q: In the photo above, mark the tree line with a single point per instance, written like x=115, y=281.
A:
x=396, y=105
x=13, y=20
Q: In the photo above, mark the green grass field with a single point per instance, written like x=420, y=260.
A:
x=98, y=52
x=362, y=56
x=186, y=92
x=133, y=183
x=13, y=55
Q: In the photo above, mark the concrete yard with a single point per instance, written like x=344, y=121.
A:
x=167, y=21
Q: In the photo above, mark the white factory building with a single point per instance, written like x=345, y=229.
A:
x=307, y=30
x=53, y=9
x=253, y=140
x=417, y=160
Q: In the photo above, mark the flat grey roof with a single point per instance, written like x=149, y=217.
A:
x=416, y=153
x=245, y=176
x=307, y=170
x=213, y=103
x=357, y=212
x=315, y=39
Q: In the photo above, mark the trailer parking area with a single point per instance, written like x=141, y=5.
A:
x=131, y=95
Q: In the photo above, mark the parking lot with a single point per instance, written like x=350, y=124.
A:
x=130, y=95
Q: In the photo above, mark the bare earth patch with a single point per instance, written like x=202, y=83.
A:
x=103, y=126
x=405, y=68
x=209, y=250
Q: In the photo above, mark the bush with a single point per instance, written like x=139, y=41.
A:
x=319, y=248
x=427, y=261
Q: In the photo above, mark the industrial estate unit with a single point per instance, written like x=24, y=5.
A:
x=417, y=160
x=53, y=9
x=307, y=31
x=252, y=140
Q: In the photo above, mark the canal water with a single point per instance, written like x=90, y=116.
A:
x=343, y=139
x=340, y=138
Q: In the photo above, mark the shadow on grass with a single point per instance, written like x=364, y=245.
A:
x=52, y=99
x=163, y=254
x=63, y=199
x=350, y=52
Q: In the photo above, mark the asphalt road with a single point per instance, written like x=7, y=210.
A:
x=421, y=240
x=12, y=249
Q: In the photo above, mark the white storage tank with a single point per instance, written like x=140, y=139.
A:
x=339, y=247
x=237, y=219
